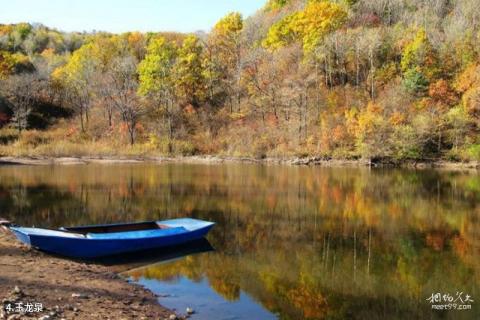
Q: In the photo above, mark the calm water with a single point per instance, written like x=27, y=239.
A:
x=290, y=242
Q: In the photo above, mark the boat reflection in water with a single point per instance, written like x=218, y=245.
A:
x=129, y=262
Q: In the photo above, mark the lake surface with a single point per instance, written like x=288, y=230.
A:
x=290, y=242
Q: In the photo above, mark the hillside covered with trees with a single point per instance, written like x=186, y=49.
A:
x=384, y=79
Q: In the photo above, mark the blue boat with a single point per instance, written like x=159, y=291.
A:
x=106, y=240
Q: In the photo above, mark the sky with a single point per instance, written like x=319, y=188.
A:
x=124, y=15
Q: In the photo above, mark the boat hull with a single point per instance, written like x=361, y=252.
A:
x=88, y=248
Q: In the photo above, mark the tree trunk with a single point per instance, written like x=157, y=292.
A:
x=82, y=126
x=110, y=116
x=86, y=116
x=357, y=66
x=317, y=91
x=131, y=130
x=305, y=116
x=274, y=104
x=170, y=134
x=439, y=143
x=372, y=74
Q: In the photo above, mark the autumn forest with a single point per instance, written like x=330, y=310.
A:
x=393, y=80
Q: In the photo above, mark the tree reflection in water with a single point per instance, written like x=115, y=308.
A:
x=304, y=242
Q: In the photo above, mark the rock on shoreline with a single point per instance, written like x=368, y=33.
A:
x=294, y=161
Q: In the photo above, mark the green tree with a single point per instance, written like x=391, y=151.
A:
x=157, y=82
x=419, y=63
x=415, y=81
x=155, y=71
x=189, y=80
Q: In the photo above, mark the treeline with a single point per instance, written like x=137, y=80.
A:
x=344, y=79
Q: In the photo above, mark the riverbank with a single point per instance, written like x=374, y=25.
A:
x=67, y=289
x=294, y=161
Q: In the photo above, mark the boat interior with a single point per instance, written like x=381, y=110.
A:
x=117, y=228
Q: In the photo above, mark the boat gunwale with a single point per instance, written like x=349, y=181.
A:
x=83, y=236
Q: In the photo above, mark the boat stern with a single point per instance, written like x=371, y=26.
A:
x=188, y=223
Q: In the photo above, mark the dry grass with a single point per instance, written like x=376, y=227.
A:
x=65, y=140
x=250, y=140
x=58, y=143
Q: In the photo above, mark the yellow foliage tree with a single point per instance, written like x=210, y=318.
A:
x=308, y=26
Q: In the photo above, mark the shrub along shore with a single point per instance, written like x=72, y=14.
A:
x=62, y=146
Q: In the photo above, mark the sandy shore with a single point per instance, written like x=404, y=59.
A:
x=309, y=161
x=68, y=289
